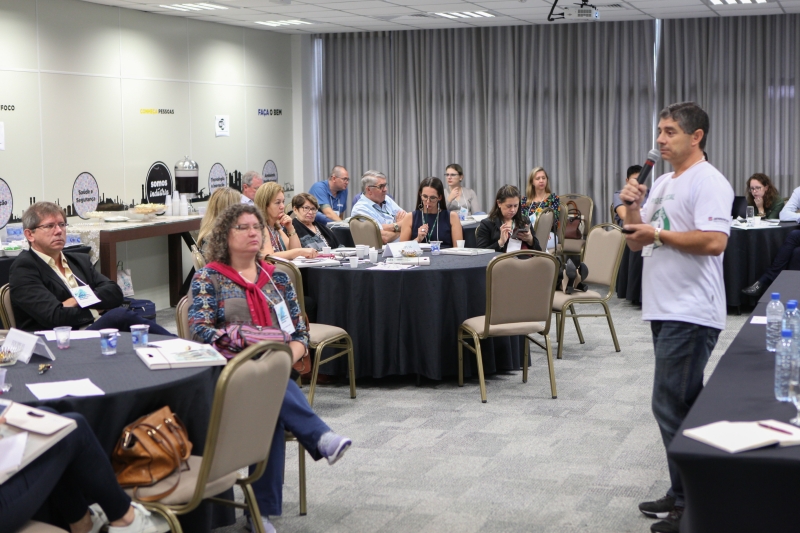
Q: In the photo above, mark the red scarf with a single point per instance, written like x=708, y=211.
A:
x=259, y=307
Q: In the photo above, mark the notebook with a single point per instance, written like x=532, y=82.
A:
x=179, y=353
x=735, y=437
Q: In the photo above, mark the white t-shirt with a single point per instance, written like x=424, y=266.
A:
x=677, y=285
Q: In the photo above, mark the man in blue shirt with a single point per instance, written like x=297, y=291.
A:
x=331, y=195
x=374, y=204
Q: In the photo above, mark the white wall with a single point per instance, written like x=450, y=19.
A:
x=78, y=74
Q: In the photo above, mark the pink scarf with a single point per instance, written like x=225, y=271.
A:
x=259, y=308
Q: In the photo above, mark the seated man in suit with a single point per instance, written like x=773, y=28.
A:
x=374, y=204
x=45, y=282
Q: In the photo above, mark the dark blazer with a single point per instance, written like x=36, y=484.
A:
x=303, y=231
x=488, y=233
x=37, y=292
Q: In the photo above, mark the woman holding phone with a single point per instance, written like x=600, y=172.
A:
x=505, y=222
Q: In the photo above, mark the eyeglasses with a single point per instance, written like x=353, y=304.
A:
x=248, y=227
x=452, y=175
x=50, y=227
x=429, y=198
x=343, y=179
x=308, y=209
x=380, y=187
x=756, y=189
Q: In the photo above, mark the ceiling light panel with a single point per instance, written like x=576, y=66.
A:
x=465, y=15
x=278, y=23
x=203, y=6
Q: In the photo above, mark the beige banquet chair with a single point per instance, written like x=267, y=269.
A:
x=6, y=309
x=250, y=388
x=39, y=527
x=182, y=318
x=366, y=231
x=519, y=298
x=604, y=246
x=542, y=227
x=586, y=207
x=197, y=258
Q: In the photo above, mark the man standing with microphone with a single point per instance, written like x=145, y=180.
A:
x=682, y=230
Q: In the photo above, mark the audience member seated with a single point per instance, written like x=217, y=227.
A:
x=220, y=200
x=331, y=195
x=374, y=204
x=539, y=195
x=619, y=207
x=459, y=196
x=72, y=473
x=283, y=240
x=496, y=230
x=781, y=261
x=45, y=281
x=763, y=196
x=432, y=221
x=312, y=233
x=251, y=182
x=791, y=211
x=237, y=288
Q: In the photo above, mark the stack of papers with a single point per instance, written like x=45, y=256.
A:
x=179, y=353
x=59, y=389
x=735, y=437
x=391, y=266
x=467, y=251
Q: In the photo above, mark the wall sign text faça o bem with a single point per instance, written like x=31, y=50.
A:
x=270, y=112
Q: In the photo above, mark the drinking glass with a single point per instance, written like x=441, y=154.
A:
x=139, y=335
x=436, y=247
x=751, y=213
x=62, y=336
x=108, y=341
x=794, y=390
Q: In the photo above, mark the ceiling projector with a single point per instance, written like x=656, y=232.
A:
x=583, y=12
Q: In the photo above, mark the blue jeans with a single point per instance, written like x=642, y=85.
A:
x=682, y=351
x=298, y=417
x=122, y=319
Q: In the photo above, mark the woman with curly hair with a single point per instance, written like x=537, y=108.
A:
x=763, y=196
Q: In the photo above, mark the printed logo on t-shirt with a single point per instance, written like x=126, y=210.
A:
x=660, y=219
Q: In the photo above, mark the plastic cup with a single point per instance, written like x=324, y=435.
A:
x=108, y=341
x=362, y=251
x=3, y=387
x=139, y=335
x=460, y=244
x=436, y=247
x=373, y=256
x=326, y=249
x=62, y=336
x=354, y=262
x=750, y=215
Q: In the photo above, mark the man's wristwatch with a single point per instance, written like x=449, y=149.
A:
x=657, y=238
x=396, y=227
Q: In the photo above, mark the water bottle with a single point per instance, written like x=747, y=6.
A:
x=791, y=321
x=783, y=366
x=774, y=320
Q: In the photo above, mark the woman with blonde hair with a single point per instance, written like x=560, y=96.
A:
x=282, y=238
x=540, y=196
x=220, y=200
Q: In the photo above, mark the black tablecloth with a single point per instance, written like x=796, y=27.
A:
x=346, y=239
x=406, y=322
x=748, y=491
x=5, y=262
x=131, y=391
x=747, y=256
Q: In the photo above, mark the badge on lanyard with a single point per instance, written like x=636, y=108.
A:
x=284, y=318
x=84, y=295
x=647, y=251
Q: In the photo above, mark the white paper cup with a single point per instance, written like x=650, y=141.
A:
x=354, y=262
x=460, y=244
x=326, y=249
x=373, y=256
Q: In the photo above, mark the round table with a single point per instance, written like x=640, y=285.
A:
x=344, y=237
x=131, y=391
x=406, y=322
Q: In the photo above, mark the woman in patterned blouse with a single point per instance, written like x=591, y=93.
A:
x=236, y=287
x=539, y=195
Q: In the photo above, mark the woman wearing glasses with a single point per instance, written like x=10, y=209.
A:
x=312, y=234
x=458, y=196
x=431, y=221
x=763, y=196
x=282, y=240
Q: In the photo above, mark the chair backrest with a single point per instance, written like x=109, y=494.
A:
x=613, y=218
x=542, y=227
x=182, y=318
x=197, y=258
x=584, y=203
x=6, y=310
x=247, y=401
x=739, y=207
x=291, y=270
x=604, y=246
x=520, y=287
x=366, y=231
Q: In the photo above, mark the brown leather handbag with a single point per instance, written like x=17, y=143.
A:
x=151, y=449
x=574, y=222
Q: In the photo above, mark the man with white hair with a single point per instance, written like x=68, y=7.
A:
x=251, y=181
x=374, y=204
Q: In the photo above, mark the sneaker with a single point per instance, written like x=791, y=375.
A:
x=671, y=524
x=268, y=527
x=332, y=446
x=659, y=508
x=99, y=518
x=143, y=522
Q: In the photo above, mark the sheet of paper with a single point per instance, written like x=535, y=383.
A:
x=478, y=218
x=388, y=266
x=25, y=343
x=758, y=320
x=12, y=448
x=60, y=389
x=393, y=249
x=74, y=335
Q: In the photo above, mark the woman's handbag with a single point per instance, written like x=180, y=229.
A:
x=574, y=222
x=245, y=335
x=150, y=450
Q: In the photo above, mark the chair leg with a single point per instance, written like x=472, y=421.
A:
x=479, y=360
x=252, y=506
x=611, y=326
x=550, y=367
x=314, y=372
x=577, y=326
x=526, y=359
x=301, y=453
x=459, y=340
x=561, y=320
x=352, y=365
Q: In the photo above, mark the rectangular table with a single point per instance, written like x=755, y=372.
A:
x=104, y=236
x=749, y=491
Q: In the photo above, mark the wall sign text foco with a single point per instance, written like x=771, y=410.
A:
x=216, y=177
x=159, y=183
x=154, y=111
x=270, y=171
x=85, y=194
x=270, y=112
x=4, y=107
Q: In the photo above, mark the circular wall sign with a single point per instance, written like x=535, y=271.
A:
x=270, y=171
x=159, y=183
x=217, y=178
x=85, y=194
x=6, y=203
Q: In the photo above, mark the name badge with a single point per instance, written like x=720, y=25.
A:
x=84, y=295
x=284, y=318
x=647, y=251
x=514, y=245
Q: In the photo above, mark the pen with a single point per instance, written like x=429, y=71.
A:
x=775, y=429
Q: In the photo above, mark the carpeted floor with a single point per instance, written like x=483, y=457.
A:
x=433, y=458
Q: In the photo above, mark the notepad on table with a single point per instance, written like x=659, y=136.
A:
x=179, y=353
x=735, y=437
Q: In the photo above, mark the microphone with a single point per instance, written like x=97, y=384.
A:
x=652, y=158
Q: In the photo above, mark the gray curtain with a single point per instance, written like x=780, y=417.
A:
x=577, y=99
x=743, y=71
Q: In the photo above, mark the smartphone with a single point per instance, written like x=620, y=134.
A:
x=520, y=230
x=628, y=231
x=5, y=405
